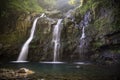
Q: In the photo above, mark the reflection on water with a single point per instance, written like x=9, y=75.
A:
x=67, y=71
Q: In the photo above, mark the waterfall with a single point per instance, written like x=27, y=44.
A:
x=82, y=38
x=24, y=51
x=83, y=33
x=56, y=39
x=84, y=23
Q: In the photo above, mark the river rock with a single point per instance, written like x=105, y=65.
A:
x=25, y=70
x=22, y=73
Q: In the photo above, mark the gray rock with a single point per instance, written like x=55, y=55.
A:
x=1, y=46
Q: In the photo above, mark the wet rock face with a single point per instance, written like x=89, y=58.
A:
x=15, y=35
x=106, y=37
x=84, y=39
x=110, y=50
x=99, y=22
x=108, y=56
x=42, y=43
x=75, y=40
x=69, y=41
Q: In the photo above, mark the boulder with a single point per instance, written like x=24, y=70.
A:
x=25, y=70
x=21, y=74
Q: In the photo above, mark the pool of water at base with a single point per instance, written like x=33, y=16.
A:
x=67, y=71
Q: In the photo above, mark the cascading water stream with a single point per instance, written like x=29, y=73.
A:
x=83, y=33
x=24, y=51
x=84, y=23
x=82, y=37
x=56, y=39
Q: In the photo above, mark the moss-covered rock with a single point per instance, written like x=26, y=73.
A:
x=103, y=22
x=42, y=43
x=101, y=29
x=17, y=33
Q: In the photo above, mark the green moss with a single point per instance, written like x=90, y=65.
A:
x=93, y=5
x=97, y=44
x=88, y=5
x=103, y=25
x=106, y=23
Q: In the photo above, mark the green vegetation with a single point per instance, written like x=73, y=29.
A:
x=102, y=23
x=85, y=7
x=15, y=16
x=25, y=5
x=9, y=6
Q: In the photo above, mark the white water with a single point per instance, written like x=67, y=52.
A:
x=56, y=39
x=83, y=33
x=24, y=51
x=55, y=62
x=82, y=38
x=84, y=63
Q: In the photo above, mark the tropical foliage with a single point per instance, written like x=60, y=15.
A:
x=25, y=5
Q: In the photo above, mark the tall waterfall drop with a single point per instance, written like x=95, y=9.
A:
x=56, y=39
x=24, y=51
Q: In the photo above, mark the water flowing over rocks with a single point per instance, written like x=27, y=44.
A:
x=90, y=32
x=24, y=51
